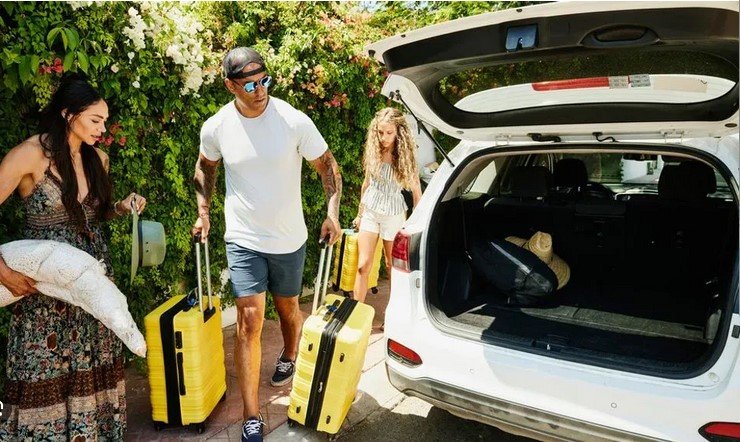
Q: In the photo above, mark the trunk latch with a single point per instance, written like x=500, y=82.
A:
x=552, y=343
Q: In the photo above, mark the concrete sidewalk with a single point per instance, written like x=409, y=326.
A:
x=226, y=419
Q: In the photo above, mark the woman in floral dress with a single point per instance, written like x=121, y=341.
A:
x=64, y=368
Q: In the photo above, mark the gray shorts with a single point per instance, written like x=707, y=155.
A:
x=254, y=272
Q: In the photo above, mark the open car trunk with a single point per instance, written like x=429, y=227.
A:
x=652, y=258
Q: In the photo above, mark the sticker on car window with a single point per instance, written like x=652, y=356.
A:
x=642, y=80
x=620, y=82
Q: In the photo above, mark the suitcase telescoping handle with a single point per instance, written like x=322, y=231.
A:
x=196, y=239
x=322, y=278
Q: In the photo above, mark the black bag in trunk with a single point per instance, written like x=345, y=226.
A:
x=515, y=271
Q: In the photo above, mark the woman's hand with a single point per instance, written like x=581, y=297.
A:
x=18, y=283
x=138, y=200
x=356, y=223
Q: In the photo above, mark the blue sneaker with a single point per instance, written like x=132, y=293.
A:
x=284, y=370
x=252, y=429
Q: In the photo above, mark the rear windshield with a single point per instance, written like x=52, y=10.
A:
x=619, y=76
x=615, y=175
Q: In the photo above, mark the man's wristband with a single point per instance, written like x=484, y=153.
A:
x=204, y=214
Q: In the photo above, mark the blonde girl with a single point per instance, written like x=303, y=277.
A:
x=390, y=166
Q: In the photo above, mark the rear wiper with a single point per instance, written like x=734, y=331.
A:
x=421, y=126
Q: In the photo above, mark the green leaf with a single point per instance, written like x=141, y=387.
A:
x=64, y=39
x=24, y=69
x=95, y=61
x=51, y=36
x=10, y=57
x=73, y=37
x=83, y=61
x=68, y=59
x=11, y=80
x=35, y=59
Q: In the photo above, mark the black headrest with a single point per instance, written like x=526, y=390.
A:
x=530, y=182
x=687, y=181
x=570, y=172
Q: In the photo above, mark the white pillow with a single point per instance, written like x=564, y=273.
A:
x=73, y=276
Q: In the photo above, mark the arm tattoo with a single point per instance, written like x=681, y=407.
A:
x=205, y=182
x=332, y=182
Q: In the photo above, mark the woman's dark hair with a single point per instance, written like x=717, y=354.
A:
x=75, y=95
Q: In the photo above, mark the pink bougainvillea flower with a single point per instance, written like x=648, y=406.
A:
x=108, y=140
x=122, y=141
x=58, y=67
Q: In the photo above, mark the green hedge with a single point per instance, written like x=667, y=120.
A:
x=157, y=65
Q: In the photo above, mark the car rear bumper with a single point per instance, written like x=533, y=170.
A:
x=508, y=416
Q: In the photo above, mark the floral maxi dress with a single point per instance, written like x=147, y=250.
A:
x=64, y=367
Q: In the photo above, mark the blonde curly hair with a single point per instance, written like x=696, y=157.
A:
x=404, y=149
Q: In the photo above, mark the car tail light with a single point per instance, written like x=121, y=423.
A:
x=400, y=254
x=720, y=431
x=403, y=354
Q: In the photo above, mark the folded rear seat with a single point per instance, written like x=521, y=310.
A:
x=524, y=210
x=682, y=236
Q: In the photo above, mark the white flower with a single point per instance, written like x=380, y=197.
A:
x=131, y=55
x=79, y=5
x=135, y=32
x=114, y=68
x=136, y=84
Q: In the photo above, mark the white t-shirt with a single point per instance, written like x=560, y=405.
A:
x=263, y=157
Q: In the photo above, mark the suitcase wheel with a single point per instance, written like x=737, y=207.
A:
x=200, y=428
x=158, y=426
x=291, y=423
x=374, y=290
x=334, y=287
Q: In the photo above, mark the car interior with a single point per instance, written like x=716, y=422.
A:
x=650, y=240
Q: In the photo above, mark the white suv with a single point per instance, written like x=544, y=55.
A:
x=612, y=127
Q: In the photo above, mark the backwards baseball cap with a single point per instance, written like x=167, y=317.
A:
x=239, y=57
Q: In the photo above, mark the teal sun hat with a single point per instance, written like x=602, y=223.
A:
x=148, y=244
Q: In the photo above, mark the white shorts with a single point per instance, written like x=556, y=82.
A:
x=385, y=225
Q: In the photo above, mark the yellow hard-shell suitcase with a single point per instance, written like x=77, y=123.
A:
x=346, y=260
x=331, y=354
x=187, y=375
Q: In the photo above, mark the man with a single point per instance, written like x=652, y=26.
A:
x=261, y=141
